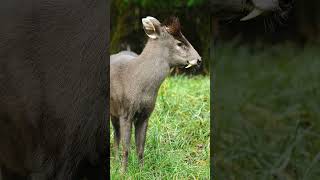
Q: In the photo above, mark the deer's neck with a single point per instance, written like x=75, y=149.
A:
x=152, y=66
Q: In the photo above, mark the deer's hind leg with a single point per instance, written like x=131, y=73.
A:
x=125, y=131
x=116, y=126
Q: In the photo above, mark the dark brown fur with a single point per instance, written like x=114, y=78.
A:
x=174, y=26
x=53, y=89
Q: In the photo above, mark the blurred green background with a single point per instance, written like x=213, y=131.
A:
x=265, y=91
x=266, y=112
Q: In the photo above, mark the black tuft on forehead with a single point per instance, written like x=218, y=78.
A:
x=173, y=25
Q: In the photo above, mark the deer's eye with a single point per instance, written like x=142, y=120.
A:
x=179, y=44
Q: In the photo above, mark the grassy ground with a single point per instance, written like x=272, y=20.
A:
x=177, y=145
x=267, y=106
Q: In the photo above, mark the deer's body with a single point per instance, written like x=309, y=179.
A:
x=135, y=81
x=149, y=69
x=122, y=56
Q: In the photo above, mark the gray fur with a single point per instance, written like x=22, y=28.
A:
x=122, y=56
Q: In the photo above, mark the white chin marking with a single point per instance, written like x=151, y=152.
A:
x=254, y=13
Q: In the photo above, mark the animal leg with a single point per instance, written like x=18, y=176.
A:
x=117, y=135
x=125, y=131
x=140, y=138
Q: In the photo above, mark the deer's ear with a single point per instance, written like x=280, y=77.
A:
x=151, y=27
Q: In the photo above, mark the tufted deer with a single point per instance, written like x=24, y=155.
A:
x=134, y=83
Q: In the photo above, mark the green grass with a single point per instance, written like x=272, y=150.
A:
x=177, y=145
x=267, y=106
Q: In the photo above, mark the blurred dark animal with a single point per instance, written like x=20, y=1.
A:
x=134, y=81
x=53, y=89
x=228, y=9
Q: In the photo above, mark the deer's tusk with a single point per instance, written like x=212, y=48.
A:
x=254, y=13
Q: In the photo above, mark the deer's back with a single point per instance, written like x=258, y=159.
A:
x=123, y=56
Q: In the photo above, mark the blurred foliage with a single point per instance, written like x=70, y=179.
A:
x=266, y=76
x=267, y=114
x=127, y=32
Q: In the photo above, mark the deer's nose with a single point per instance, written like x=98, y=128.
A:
x=199, y=60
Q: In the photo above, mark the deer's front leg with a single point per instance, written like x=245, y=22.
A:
x=140, y=137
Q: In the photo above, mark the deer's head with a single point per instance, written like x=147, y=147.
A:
x=168, y=35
